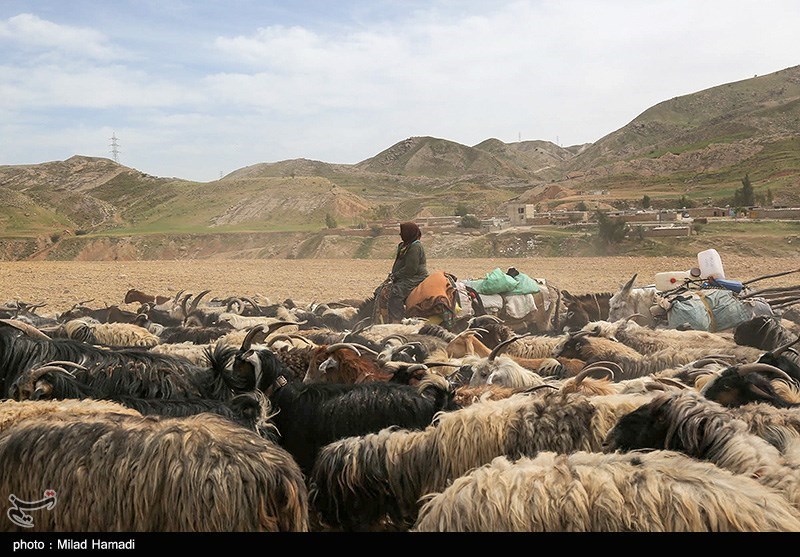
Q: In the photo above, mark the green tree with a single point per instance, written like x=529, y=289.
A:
x=461, y=210
x=645, y=201
x=610, y=231
x=744, y=196
x=769, y=197
x=470, y=221
x=581, y=206
x=330, y=222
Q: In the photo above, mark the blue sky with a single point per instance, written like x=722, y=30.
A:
x=195, y=89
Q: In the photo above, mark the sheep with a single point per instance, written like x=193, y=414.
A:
x=118, y=473
x=358, y=482
x=687, y=422
x=309, y=416
x=662, y=491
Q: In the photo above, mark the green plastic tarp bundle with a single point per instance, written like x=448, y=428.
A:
x=498, y=282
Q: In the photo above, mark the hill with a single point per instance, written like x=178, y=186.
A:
x=690, y=150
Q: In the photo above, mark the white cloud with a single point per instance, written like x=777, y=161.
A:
x=238, y=91
x=30, y=32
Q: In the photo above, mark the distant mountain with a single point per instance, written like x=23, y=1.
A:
x=695, y=148
x=439, y=158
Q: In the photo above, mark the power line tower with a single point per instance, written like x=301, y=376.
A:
x=114, y=147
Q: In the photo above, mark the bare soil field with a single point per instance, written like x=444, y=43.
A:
x=62, y=284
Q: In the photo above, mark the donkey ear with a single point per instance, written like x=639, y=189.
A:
x=629, y=284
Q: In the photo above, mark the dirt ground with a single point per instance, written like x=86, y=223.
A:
x=61, y=284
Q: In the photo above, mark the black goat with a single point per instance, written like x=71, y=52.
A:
x=53, y=381
x=309, y=416
x=127, y=371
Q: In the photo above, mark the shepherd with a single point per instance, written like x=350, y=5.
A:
x=409, y=269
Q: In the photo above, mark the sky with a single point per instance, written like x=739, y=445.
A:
x=198, y=89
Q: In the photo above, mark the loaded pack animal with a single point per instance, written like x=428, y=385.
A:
x=582, y=309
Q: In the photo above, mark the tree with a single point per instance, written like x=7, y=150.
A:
x=645, y=201
x=330, y=222
x=744, y=196
x=610, y=231
x=470, y=221
x=461, y=210
x=769, y=197
x=581, y=206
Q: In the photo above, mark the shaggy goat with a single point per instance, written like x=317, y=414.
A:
x=119, y=473
x=687, y=422
x=661, y=491
x=309, y=416
x=359, y=482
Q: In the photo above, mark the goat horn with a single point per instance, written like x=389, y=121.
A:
x=248, y=339
x=501, y=347
x=781, y=349
x=26, y=328
x=254, y=304
x=178, y=295
x=671, y=382
x=469, y=332
x=489, y=317
x=334, y=347
x=274, y=326
x=67, y=363
x=366, y=349
x=606, y=363
x=590, y=370
x=764, y=368
x=537, y=387
x=36, y=374
x=393, y=336
x=634, y=316
x=416, y=367
x=196, y=300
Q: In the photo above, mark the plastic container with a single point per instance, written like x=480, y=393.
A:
x=733, y=285
x=710, y=264
x=669, y=280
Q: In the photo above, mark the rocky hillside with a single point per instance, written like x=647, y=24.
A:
x=691, y=149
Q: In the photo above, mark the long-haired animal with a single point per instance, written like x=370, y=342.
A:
x=119, y=473
x=309, y=416
x=128, y=371
x=661, y=491
x=687, y=422
x=359, y=482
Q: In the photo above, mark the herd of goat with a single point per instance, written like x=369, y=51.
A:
x=196, y=414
